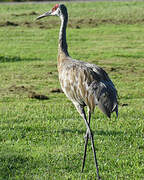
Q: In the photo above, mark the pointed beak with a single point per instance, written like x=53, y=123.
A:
x=44, y=15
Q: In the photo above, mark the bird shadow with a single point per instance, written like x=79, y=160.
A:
x=15, y=59
x=97, y=132
x=130, y=56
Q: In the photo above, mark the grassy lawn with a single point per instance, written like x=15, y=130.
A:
x=43, y=139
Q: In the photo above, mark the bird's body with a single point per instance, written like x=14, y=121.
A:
x=87, y=85
x=83, y=83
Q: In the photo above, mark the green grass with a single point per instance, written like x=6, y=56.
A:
x=44, y=139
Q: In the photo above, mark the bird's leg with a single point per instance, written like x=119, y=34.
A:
x=89, y=135
x=82, y=113
x=92, y=143
x=86, y=142
x=95, y=159
x=85, y=151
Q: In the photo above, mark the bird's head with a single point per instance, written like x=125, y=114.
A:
x=57, y=10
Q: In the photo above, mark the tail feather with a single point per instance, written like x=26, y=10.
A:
x=116, y=110
x=106, y=97
x=104, y=109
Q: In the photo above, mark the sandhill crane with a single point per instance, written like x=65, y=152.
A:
x=83, y=83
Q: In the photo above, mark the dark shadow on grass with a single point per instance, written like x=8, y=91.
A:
x=130, y=56
x=12, y=162
x=15, y=59
x=17, y=164
x=97, y=132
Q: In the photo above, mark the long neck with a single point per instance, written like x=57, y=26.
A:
x=62, y=36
